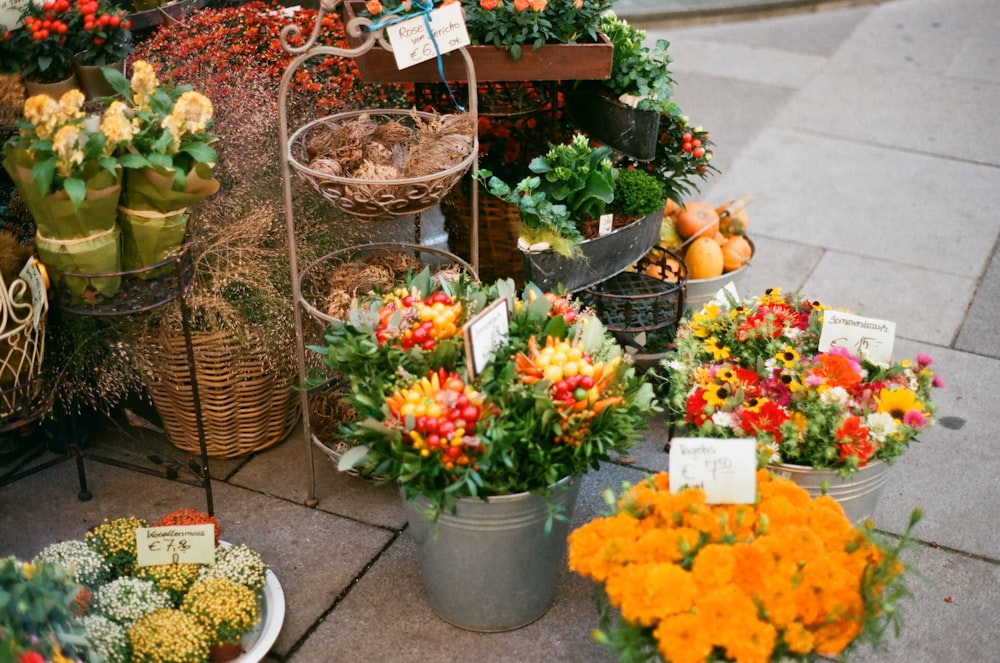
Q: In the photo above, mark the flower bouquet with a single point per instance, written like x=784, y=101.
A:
x=168, y=162
x=70, y=180
x=784, y=579
x=753, y=369
x=551, y=400
x=90, y=600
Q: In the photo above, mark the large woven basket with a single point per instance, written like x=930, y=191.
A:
x=499, y=223
x=246, y=395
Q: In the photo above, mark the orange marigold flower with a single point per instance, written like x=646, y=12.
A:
x=537, y=5
x=520, y=5
x=648, y=593
x=488, y=5
x=683, y=639
x=374, y=7
x=798, y=638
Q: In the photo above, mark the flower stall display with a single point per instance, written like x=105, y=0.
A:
x=787, y=578
x=753, y=368
x=70, y=180
x=491, y=428
x=90, y=600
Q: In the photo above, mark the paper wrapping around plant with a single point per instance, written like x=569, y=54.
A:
x=54, y=214
x=99, y=253
x=154, y=217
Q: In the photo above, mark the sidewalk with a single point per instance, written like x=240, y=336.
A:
x=867, y=137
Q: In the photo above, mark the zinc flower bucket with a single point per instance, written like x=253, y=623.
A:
x=858, y=494
x=492, y=566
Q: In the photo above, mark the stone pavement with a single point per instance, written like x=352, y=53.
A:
x=867, y=136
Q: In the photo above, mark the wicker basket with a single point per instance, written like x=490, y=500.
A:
x=375, y=199
x=246, y=396
x=499, y=223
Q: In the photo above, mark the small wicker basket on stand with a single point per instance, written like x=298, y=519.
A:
x=499, y=222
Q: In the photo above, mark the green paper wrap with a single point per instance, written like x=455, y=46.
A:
x=154, y=217
x=99, y=253
x=54, y=214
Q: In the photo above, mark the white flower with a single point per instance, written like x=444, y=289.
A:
x=880, y=426
x=771, y=448
x=835, y=395
x=82, y=563
x=127, y=599
x=107, y=639
x=726, y=420
x=240, y=564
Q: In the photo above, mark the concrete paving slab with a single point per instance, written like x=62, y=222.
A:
x=887, y=204
x=979, y=329
x=952, y=472
x=754, y=64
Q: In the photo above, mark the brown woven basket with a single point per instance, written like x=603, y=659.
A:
x=499, y=222
x=245, y=395
x=375, y=199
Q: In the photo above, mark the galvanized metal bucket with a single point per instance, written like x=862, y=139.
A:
x=491, y=566
x=858, y=494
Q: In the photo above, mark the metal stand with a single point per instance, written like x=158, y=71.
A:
x=139, y=291
x=357, y=30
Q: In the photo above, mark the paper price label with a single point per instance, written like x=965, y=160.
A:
x=605, y=224
x=489, y=329
x=175, y=544
x=865, y=337
x=411, y=43
x=725, y=469
x=32, y=275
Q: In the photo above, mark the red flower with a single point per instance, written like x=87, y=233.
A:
x=696, y=407
x=767, y=418
x=852, y=440
x=488, y=5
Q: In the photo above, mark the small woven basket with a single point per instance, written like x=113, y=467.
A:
x=381, y=198
x=245, y=391
x=499, y=223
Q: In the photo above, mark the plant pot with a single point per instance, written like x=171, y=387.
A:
x=54, y=90
x=491, y=566
x=92, y=80
x=551, y=62
x=858, y=493
x=605, y=119
x=603, y=257
x=223, y=652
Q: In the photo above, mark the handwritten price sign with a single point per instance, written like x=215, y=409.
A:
x=865, y=337
x=725, y=469
x=175, y=544
x=411, y=44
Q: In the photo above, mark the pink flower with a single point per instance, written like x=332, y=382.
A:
x=914, y=419
x=924, y=360
x=938, y=382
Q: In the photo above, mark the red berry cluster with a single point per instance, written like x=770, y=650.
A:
x=425, y=321
x=693, y=144
x=571, y=389
x=100, y=22
x=51, y=24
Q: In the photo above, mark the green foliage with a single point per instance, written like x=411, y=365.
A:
x=637, y=193
x=636, y=69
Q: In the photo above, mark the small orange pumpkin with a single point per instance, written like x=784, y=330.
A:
x=736, y=253
x=704, y=259
x=695, y=216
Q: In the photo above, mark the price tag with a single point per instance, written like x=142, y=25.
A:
x=32, y=275
x=725, y=469
x=725, y=292
x=175, y=544
x=604, y=224
x=484, y=333
x=411, y=44
x=865, y=337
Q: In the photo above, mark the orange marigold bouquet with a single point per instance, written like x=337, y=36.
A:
x=785, y=578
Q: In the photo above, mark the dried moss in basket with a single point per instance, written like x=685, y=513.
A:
x=378, y=271
x=365, y=149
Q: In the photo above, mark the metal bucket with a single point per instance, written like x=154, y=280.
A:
x=491, y=566
x=858, y=494
x=702, y=291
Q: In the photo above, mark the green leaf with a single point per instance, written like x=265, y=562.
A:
x=76, y=189
x=352, y=458
x=132, y=160
x=200, y=151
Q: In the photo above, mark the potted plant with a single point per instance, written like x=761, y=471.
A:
x=102, y=38
x=509, y=39
x=561, y=205
x=71, y=183
x=624, y=111
x=753, y=368
x=786, y=578
x=469, y=448
x=44, y=46
x=226, y=610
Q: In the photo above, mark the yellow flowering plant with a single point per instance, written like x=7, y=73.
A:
x=753, y=368
x=554, y=399
x=787, y=578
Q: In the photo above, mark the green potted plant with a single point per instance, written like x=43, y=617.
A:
x=553, y=398
x=226, y=610
x=566, y=239
x=44, y=46
x=624, y=111
x=102, y=38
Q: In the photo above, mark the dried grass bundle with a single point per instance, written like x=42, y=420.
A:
x=377, y=272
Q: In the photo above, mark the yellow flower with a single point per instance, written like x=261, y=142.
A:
x=192, y=111
x=71, y=105
x=788, y=356
x=897, y=402
x=116, y=126
x=68, y=152
x=718, y=350
x=42, y=111
x=144, y=83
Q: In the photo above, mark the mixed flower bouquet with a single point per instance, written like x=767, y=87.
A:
x=556, y=396
x=753, y=369
x=513, y=25
x=89, y=599
x=784, y=579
